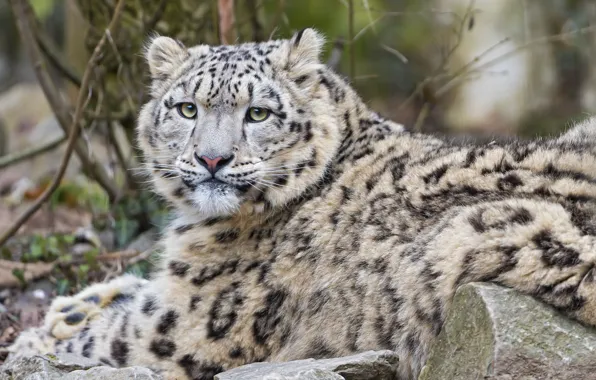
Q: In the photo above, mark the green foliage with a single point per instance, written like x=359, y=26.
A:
x=55, y=249
x=380, y=29
x=5, y=253
x=135, y=214
x=20, y=275
x=88, y=195
x=47, y=249
x=63, y=286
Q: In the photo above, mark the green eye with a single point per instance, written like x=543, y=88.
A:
x=255, y=115
x=187, y=110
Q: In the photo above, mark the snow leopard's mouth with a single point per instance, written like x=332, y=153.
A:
x=214, y=197
x=217, y=184
x=208, y=184
x=214, y=183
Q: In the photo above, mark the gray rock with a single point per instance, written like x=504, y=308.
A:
x=491, y=333
x=69, y=367
x=370, y=365
x=496, y=333
x=108, y=373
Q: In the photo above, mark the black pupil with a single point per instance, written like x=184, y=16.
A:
x=190, y=107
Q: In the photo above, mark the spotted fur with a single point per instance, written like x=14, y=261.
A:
x=330, y=230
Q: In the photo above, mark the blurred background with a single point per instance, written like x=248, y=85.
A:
x=497, y=67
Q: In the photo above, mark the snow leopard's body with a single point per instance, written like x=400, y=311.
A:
x=329, y=230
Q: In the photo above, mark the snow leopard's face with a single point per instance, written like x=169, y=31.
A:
x=230, y=124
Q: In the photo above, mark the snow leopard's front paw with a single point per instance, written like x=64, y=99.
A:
x=69, y=315
x=35, y=341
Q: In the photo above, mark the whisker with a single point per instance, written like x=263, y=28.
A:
x=263, y=184
x=277, y=186
x=251, y=184
x=282, y=167
x=286, y=168
x=156, y=164
x=280, y=170
x=283, y=154
x=164, y=169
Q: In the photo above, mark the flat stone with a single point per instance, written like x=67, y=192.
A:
x=109, y=373
x=69, y=367
x=497, y=333
x=370, y=365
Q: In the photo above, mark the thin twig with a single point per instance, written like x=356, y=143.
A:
x=17, y=157
x=140, y=257
x=72, y=138
x=535, y=42
x=121, y=115
x=422, y=117
x=111, y=256
x=425, y=82
x=75, y=125
x=465, y=68
x=367, y=27
x=459, y=35
x=396, y=53
x=38, y=269
x=369, y=14
x=440, y=70
x=25, y=17
x=461, y=75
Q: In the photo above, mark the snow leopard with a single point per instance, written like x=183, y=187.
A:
x=309, y=226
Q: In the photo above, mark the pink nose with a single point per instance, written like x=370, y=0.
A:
x=211, y=162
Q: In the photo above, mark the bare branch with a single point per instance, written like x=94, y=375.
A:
x=25, y=17
x=396, y=53
x=466, y=68
x=422, y=117
x=17, y=157
x=536, y=42
x=469, y=68
x=425, y=86
x=35, y=270
x=18, y=8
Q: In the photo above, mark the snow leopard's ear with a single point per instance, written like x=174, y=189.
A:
x=164, y=55
x=299, y=57
x=305, y=47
